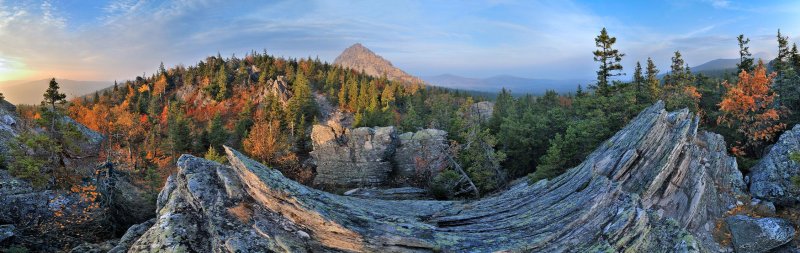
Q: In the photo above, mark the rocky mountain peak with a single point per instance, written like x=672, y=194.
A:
x=360, y=58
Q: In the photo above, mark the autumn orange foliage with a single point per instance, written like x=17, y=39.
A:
x=265, y=141
x=749, y=107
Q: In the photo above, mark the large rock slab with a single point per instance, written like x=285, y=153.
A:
x=771, y=178
x=756, y=235
x=657, y=185
x=353, y=158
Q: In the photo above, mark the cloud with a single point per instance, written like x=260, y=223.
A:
x=553, y=39
x=719, y=3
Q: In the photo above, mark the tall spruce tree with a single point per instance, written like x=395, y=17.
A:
x=653, y=84
x=745, y=59
x=52, y=96
x=609, y=59
x=640, y=85
x=217, y=135
x=783, y=70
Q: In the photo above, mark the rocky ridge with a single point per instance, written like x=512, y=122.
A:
x=657, y=185
x=360, y=58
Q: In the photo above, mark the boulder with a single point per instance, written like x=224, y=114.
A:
x=771, y=177
x=755, y=235
x=658, y=184
x=482, y=111
x=353, y=158
x=420, y=152
x=130, y=236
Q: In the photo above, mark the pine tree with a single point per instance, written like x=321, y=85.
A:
x=2, y=98
x=411, y=120
x=783, y=70
x=302, y=103
x=745, y=61
x=352, y=94
x=679, y=91
x=653, y=84
x=179, y=131
x=795, y=58
x=609, y=59
x=161, y=69
x=213, y=155
x=217, y=135
x=223, y=91
x=503, y=106
x=639, y=84
x=52, y=96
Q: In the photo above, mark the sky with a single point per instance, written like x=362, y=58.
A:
x=120, y=39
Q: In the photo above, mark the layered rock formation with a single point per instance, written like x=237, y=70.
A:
x=419, y=152
x=360, y=58
x=771, y=178
x=352, y=158
x=657, y=185
x=366, y=157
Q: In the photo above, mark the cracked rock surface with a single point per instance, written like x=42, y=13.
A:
x=657, y=185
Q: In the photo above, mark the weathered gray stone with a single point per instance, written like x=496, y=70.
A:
x=402, y=193
x=6, y=232
x=420, y=152
x=353, y=158
x=657, y=185
x=130, y=236
x=277, y=88
x=755, y=235
x=771, y=178
x=482, y=111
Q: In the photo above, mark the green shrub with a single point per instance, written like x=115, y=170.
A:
x=796, y=180
x=15, y=249
x=27, y=166
x=443, y=185
x=794, y=156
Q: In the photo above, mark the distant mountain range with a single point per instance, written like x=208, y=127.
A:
x=30, y=92
x=518, y=85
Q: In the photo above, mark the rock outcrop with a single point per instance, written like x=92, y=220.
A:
x=368, y=157
x=353, y=158
x=278, y=88
x=657, y=185
x=758, y=235
x=360, y=58
x=419, y=152
x=771, y=178
x=482, y=111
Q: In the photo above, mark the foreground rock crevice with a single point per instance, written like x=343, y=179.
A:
x=657, y=185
